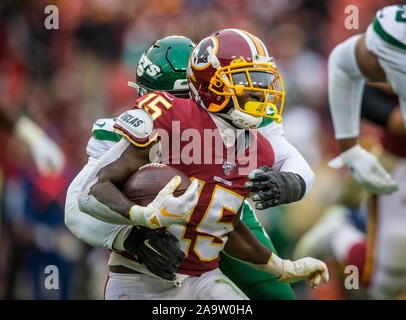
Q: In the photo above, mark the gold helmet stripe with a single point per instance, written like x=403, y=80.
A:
x=249, y=40
x=263, y=46
x=258, y=44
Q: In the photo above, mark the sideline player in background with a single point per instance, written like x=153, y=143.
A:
x=47, y=155
x=242, y=119
x=379, y=55
x=380, y=254
x=163, y=67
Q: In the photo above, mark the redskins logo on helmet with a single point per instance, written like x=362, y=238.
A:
x=200, y=56
x=229, y=66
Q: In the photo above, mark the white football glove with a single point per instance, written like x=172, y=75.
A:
x=46, y=153
x=292, y=271
x=307, y=268
x=166, y=209
x=366, y=169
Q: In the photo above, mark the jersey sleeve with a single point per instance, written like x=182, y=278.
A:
x=271, y=129
x=165, y=110
x=103, y=138
x=390, y=25
x=287, y=157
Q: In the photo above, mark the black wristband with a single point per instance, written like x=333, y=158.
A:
x=135, y=236
x=294, y=188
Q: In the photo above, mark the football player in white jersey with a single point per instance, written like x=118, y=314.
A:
x=114, y=236
x=379, y=55
x=379, y=251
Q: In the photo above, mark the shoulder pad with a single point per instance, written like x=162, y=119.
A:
x=137, y=126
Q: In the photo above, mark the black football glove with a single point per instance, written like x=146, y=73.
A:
x=273, y=188
x=157, y=250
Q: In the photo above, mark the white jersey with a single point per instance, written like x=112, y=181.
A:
x=386, y=38
x=103, y=139
x=390, y=25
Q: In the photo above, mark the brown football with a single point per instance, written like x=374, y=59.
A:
x=143, y=185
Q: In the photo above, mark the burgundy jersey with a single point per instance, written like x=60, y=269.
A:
x=192, y=143
x=394, y=143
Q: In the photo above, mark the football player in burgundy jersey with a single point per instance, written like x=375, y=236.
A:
x=212, y=139
x=163, y=67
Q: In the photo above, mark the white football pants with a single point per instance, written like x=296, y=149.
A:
x=212, y=285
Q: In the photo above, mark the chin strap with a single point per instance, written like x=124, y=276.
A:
x=244, y=120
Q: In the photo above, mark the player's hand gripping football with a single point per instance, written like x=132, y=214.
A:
x=157, y=250
x=166, y=209
x=307, y=268
x=366, y=169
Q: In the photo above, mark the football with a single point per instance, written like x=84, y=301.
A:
x=143, y=185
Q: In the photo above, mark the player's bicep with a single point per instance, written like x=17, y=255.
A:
x=126, y=163
x=100, y=195
x=368, y=62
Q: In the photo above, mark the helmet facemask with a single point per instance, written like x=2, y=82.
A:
x=259, y=79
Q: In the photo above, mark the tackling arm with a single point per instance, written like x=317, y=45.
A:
x=290, y=177
x=100, y=195
x=287, y=157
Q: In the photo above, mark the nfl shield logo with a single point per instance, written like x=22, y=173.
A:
x=227, y=167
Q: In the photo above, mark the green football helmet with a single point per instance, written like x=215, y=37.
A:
x=162, y=67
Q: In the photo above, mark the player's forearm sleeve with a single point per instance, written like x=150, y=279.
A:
x=288, y=159
x=88, y=203
x=345, y=88
x=97, y=233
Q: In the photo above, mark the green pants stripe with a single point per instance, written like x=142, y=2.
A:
x=257, y=285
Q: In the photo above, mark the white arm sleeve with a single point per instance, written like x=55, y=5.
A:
x=287, y=158
x=94, y=232
x=97, y=233
x=345, y=89
x=88, y=203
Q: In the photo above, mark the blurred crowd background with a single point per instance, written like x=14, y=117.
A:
x=65, y=79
